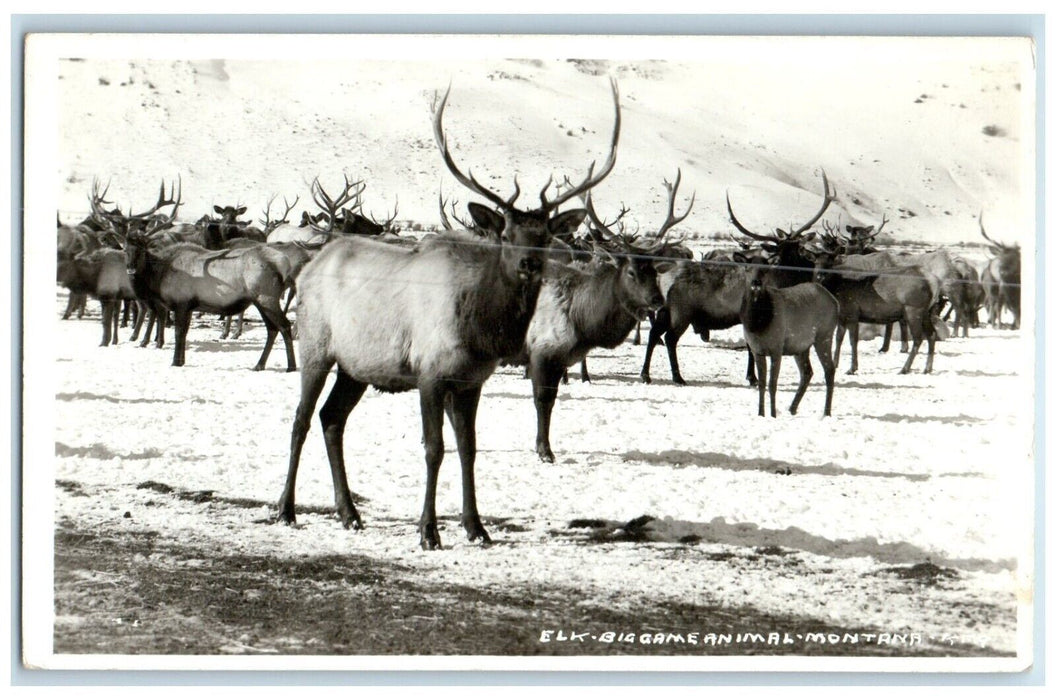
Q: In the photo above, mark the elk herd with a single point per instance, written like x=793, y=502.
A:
x=508, y=284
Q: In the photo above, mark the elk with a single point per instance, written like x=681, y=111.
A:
x=708, y=294
x=580, y=309
x=102, y=274
x=185, y=277
x=1002, y=280
x=789, y=321
x=436, y=318
x=883, y=296
x=268, y=225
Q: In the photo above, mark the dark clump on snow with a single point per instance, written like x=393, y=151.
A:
x=925, y=572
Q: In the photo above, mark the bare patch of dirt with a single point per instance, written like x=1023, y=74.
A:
x=121, y=592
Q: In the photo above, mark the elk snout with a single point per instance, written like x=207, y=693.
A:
x=529, y=268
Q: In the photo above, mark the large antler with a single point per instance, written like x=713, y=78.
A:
x=740, y=227
x=591, y=180
x=671, y=220
x=174, y=198
x=387, y=226
x=1002, y=246
x=331, y=205
x=467, y=180
x=828, y=199
x=270, y=224
x=454, y=215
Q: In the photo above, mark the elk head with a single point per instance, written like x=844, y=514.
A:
x=524, y=234
x=787, y=249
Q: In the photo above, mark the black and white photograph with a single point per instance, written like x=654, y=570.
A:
x=529, y=352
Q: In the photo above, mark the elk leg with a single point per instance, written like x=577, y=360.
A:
x=463, y=417
x=278, y=322
x=916, y=320
x=82, y=305
x=126, y=309
x=163, y=319
x=852, y=328
x=115, y=319
x=227, y=328
x=750, y=374
x=584, y=376
x=183, y=324
x=312, y=380
x=671, y=338
x=238, y=328
x=903, y=332
x=823, y=348
x=760, y=368
x=841, y=329
x=545, y=376
x=638, y=332
x=334, y=414
x=289, y=300
x=775, y=369
x=107, y=308
x=140, y=317
x=432, y=403
x=884, y=347
x=71, y=303
x=657, y=328
x=805, y=374
x=152, y=318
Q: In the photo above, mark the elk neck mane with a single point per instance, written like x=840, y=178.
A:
x=758, y=310
x=492, y=312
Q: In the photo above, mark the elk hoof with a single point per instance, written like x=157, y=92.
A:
x=286, y=516
x=646, y=379
x=679, y=381
x=852, y=371
x=292, y=369
x=350, y=519
x=545, y=454
x=475, y=530
x=257, y=368
x=430, y=537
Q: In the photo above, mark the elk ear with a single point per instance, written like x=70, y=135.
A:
x=566, y=223
x=240, y=211
x=739, y=257
x=663, y=267
x=486, y=218
x=217, y=209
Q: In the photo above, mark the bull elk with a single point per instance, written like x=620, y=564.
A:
x=185, y=277
x=582, y=309
x=437, y=318
x=1002, y=279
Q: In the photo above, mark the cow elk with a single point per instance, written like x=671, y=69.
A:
x=789, y=321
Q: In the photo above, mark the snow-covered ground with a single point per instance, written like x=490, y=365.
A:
x=800, y=516
x=908, y=470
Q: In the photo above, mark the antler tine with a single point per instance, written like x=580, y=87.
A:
x=588, y=204
x=175, y=199
x=671, y=220
x=829, y=198
x=267, y=211
x=467, y=180
x=591, y=180
x=331, y=205
x=882, y=224
x=444, y=221
x=982, y=230
x=396, y=211
x=742, y=229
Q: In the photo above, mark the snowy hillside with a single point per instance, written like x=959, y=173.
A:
x=929, y=142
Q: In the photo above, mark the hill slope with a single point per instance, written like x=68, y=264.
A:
x=928, y=142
